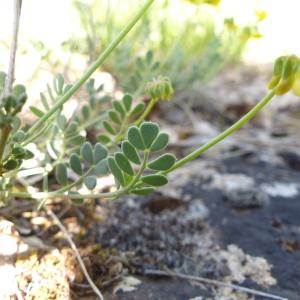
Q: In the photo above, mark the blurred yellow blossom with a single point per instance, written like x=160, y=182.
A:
x=261, y=15
x=211, y=2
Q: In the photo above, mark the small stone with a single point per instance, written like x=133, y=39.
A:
x=245, y=199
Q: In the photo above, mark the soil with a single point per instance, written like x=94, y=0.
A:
x=231, y=216
x=181, y=234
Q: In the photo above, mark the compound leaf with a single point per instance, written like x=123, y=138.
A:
x=135, y=138
x=155, y=180
x=149, y=132
x=143, y=191
x=138, y=109
x=61, y=174
x=131, y=153
x=101, y=167
x=90, y=182
x=114, y=117
x=75, y=164
x=162, y=163
x=127, y=101
x=87, y=152
x=160, y=142
x=108, y=128
x=116, y=171
x=100, y=152
x=124, y=163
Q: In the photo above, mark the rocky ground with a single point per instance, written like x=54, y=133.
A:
x=231, y=216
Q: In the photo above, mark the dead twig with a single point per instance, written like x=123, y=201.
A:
x=211, y=282
x=77, y=254
x=13, y=48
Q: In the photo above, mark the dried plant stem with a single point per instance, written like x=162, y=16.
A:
x=5, y=131
x=13, y=48
x=77, y=254
x=212, y=282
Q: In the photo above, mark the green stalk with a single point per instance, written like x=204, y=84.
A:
x=92, y=68
x=4, y=134
x=146, y=112
x=260, y=105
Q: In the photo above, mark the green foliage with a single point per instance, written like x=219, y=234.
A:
x=194, y=49
x=128, y=145
x=61, y=174
x=121, y=114
x=131, y=153
x=162, y=163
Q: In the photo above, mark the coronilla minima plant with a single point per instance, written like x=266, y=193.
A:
x=127, y=146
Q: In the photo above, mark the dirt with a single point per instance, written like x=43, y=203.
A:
x=196, y=237
x=231, y=216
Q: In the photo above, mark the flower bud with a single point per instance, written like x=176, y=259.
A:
x=160, y=88
x=277, y=71
x=296, y=84
x=288, y=75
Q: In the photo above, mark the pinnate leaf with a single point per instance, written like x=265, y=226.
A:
x=103, y=138
x=160, y=142
x=135, y=138
x=61, y=174
x=131, y=153
x=116, y=171
x=155, y=180
x=149, y=132
x=114, y=117
x=100, y=152
x=101, y=167
x=127, y=101
x=143, y=191
x=123, y=163
x=87, y=152
x=108, y=128
x=162, y=163
x=138, y=109
x=75, y=164
x=90, y=182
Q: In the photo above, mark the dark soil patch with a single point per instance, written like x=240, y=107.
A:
x=164, y=233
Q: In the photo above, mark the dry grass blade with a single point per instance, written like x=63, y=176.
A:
x=211, y=282
x=77, y=254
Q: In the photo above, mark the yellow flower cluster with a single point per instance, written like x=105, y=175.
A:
x=210, y=2
x=286, y=75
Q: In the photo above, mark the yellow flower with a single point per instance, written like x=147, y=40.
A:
x=210, y=2
x=261, y=15
x=296, y=84
x=286, y=75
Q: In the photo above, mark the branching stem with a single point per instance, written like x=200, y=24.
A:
x=259, y=106
x=92, y=68
x=180, y=163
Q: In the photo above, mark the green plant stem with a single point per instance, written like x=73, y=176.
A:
x=92, y=121
x=4, y=134
x=259, y=106
x=61, y=193
x=43, y=195
x=140, y=173
x=92, y=68
x=146, y=112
